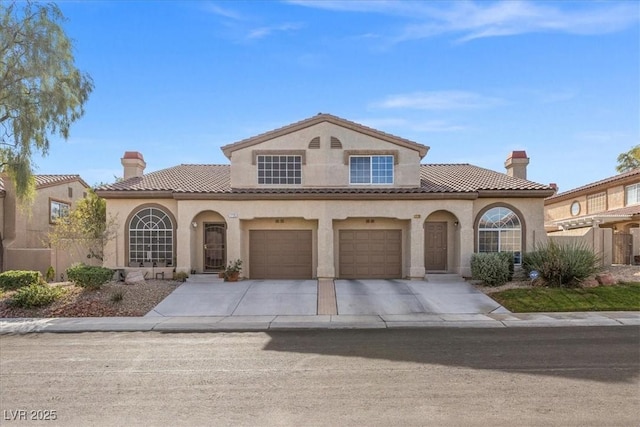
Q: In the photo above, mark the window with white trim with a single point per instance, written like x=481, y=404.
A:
x=58, y=210
x=632, y=194
x=371, y=170
x=279, y=169
x=500, y=230
x=150, y=237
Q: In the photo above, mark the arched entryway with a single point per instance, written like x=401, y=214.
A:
x=209, y=242
x=441, y=242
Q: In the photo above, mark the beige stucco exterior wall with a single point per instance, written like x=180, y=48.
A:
x=562, y=209
x=325, y=166
x=26, y=228
x=325, y=218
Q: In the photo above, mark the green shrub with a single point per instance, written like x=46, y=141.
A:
x=16, y=279
x=50, y=275
x=508, y=257
x=36, y=295
x=561, y=265
x=88, y=276
x=491, y=268
x=117, y=296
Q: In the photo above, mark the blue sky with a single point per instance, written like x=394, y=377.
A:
x=472, y=80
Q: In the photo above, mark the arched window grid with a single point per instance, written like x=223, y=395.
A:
x=500, y=230
x=151, y=238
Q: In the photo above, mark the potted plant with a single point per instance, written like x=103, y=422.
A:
x=232, y=272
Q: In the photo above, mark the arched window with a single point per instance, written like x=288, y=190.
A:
x=500, y=230
x=151, y=238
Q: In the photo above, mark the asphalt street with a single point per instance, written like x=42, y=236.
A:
x=584, y=376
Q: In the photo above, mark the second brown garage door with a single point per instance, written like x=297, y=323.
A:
x=280, y=254
x=370, y=254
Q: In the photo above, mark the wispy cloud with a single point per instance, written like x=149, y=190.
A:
x=468, y=20
x=439, y=100
x=216, y=9
x=261, y=32
x=244, y=26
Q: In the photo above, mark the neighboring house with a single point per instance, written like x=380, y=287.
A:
x=322, y=198
x=24, y=228
x=612, y=203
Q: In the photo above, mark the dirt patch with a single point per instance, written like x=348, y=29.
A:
x=137, y=300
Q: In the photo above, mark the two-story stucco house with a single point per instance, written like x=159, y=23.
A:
x=612, y=204
x=322, y=198
x=24, y=228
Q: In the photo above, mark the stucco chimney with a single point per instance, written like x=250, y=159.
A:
x=554, y=186
x=516, y=164
x=133, y=164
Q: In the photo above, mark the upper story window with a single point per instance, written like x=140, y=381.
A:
x=371, y=170
x=597, y=203
x=279, y=169
x=632, y=194
x=58, y=210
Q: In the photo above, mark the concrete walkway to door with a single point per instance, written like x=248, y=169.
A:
x=205, y=295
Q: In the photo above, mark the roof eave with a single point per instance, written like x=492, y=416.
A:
x=324, y=196
x=135, y=194
x=536, y=193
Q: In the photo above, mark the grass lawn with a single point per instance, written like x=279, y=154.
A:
x=622, y=297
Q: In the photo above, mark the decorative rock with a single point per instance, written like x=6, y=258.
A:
x=134, y=277
x=589, y=283
x=606, y=279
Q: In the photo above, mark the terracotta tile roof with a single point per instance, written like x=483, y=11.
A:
x=434, y=178
x=627, y=210
x=49, y=180
x=469, y=178
x=603, y=183
x=180, y=179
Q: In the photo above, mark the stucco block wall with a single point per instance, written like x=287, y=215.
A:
x=600, y=240
x=27, y=259
x=325, y=166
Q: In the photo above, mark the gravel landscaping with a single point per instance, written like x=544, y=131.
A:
x=137, y=300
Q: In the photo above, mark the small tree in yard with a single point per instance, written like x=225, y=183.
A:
x=42, y=93
x=86, y=227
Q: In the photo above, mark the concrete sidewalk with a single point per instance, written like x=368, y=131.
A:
x=207, y=304
x=273, y=323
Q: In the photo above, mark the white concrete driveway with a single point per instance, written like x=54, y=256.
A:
x=210, y=296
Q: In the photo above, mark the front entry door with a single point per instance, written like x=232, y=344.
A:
x=215, y=246
x=435, y=251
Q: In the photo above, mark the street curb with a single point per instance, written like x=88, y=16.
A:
x=322, y=322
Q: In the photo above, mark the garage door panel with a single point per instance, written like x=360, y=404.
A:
x=280, y=254
x=370, y=254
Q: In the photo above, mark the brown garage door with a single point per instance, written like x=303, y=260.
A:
x=370, y=254
x=280, y=254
